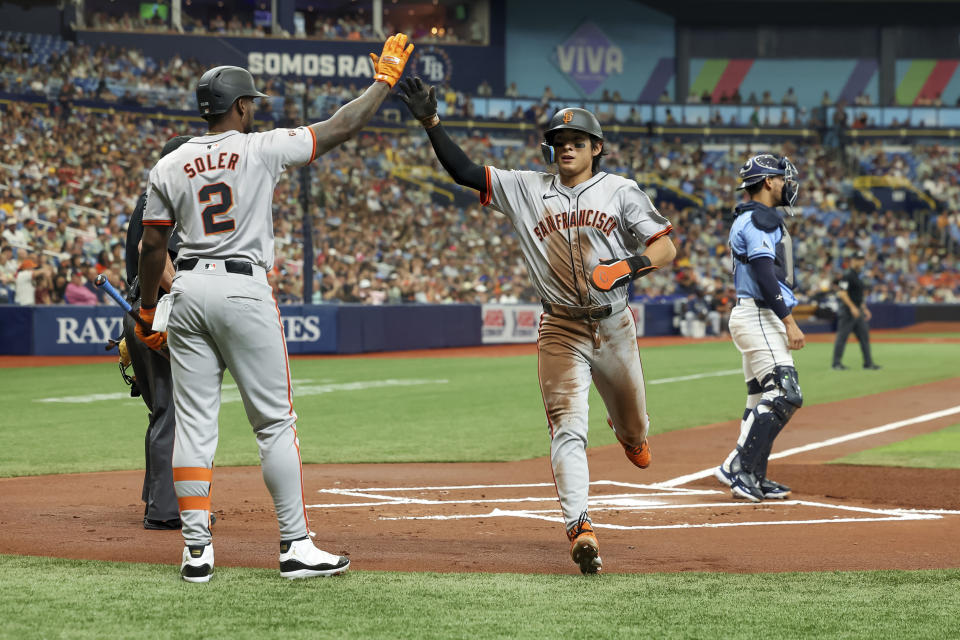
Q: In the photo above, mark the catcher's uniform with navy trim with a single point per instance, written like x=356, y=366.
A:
x=585, y=334
x=219, y=190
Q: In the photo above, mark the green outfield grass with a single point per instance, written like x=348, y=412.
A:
x=937, y=450
x=45, y=597
x=465, y=409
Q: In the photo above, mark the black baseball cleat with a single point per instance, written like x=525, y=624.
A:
x=873, y=366
x=300, y=559
x=745, y=486
x=773, y=490
x=839, y=367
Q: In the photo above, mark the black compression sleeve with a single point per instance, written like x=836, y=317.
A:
x=455, y=161
x=769, y=286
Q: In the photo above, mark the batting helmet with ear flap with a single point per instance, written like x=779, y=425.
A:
x=220, y=87
x=572, y=118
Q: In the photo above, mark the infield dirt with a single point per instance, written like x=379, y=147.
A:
x=475, y=523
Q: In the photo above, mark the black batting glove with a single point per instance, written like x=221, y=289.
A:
x=421, y=101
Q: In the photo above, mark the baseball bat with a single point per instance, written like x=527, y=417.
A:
x=104, y=284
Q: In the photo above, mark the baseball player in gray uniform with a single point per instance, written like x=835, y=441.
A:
x=218, y=189
x=580, y=231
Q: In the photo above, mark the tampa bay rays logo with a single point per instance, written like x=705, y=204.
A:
x=432, y=64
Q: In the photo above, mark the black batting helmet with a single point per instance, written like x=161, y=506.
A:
x=219, y=88
x=572, y=118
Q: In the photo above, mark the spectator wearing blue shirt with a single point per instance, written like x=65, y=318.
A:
x=761, y=324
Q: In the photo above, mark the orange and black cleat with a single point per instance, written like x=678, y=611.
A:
x=584, y=548
x=638, y=455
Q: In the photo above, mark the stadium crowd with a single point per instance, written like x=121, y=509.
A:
x=386, y=230
x=346, y=24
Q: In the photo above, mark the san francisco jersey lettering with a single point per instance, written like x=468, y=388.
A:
x=218, y=189
x=565, y=232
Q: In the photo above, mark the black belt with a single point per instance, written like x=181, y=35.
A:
x=759, y=303
x=580, y=313
x=232, y=266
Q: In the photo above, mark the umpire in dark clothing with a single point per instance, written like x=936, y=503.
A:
x=853, y=316
x=153, y=378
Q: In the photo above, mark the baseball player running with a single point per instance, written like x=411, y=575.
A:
x=761, y=324
x=580, y=232
x=218, y=189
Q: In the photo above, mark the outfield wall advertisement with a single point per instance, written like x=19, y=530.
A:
x=518, y=323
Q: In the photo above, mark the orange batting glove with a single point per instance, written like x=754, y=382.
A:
x=610, y=274
x=155, y=340
x=388, y=67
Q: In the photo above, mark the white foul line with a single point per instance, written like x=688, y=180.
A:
x=668, y=484
x=230, y=393
x=696, y=376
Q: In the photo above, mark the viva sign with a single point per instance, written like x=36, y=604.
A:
x=588, y=58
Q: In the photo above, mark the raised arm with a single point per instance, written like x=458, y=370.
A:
x=353, y=116
x=422, y=103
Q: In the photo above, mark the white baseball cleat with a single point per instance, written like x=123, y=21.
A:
x=197, y=563
x=300, y=559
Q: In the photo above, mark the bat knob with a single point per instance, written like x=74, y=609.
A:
x=100, y=280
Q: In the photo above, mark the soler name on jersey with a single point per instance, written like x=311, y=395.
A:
x=583, y=218
x=211, y=162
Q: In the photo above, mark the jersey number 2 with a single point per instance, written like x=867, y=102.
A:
x=209, y=214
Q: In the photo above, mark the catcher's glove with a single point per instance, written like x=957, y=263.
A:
x=124, y=362
x=124, y=365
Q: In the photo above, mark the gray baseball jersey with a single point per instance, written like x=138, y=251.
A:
x=219, y=188
x=564, y=233
x=219, y=191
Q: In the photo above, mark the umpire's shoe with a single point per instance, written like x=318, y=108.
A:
x=300, y=559
x=197, y=563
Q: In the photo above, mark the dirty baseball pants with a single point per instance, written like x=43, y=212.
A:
x=571, y=354
x=156, y=388
x=847, y=324
x=222, y=320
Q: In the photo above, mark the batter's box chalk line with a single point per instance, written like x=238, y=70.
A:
x=644, y=498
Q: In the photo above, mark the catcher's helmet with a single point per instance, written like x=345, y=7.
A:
x=764, y=165
x=572, y=118
x=219, y=88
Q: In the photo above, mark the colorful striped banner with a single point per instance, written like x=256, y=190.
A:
x=708, y=77
x=658, y=81
x=925, y=80
x=721, y=77
x=731, y=78
x=858, y=80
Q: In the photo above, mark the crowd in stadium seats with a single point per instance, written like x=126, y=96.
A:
x=346, y=25
x=70, y=177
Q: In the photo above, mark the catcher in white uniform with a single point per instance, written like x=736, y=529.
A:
x=580, y=232
x=218, y=189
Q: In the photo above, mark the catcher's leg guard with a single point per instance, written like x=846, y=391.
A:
x=784, y=385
